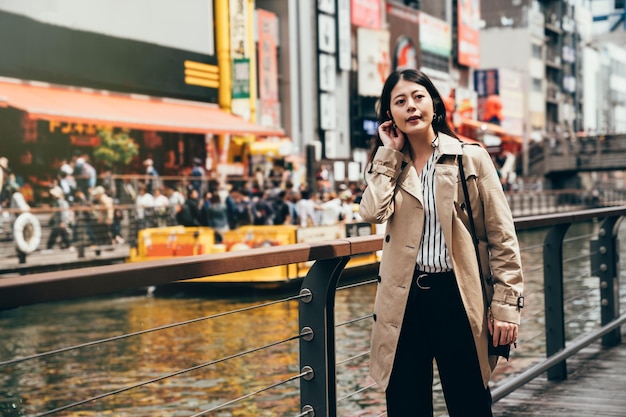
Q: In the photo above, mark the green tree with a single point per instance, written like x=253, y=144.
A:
x=116, y=149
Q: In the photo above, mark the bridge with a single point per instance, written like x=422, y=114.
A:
x=560, y=161
x=578, y=377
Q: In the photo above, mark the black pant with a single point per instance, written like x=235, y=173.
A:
x=55, y=233
x=436, y=326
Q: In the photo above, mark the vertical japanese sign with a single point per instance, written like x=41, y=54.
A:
x=434, y=35
x=344, y=38
x=468, y=17
x=374, y=62
x=240, y=53
x=269, y=109
x=404, y=30
x=327, y=73
x=241, y=78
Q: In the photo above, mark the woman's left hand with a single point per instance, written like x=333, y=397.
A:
x=503, y=332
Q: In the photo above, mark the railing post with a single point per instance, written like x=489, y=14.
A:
x=553, y=297
x=318, y=389
x=605, y=265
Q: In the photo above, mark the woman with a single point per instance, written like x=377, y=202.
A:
x=429, y=304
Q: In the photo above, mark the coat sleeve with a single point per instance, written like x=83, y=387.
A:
x=381, y=175
x=504, y=252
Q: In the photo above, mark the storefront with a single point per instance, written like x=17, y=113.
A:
x=42, y=125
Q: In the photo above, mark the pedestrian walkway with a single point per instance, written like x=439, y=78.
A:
x=61, y=259
x=596, y=386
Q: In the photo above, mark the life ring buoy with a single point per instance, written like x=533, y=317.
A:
x=239, y=246
x=27, y=232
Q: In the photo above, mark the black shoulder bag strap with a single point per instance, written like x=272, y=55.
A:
x=501, y=350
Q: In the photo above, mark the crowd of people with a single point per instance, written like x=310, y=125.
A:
x=263, y=200
x=11, y=197
x=89, y=210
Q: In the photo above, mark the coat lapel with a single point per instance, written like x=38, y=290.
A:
x=446, y=177
x=446, y=183
x=409, y=180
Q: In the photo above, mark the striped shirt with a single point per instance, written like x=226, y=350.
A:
x=433, y=254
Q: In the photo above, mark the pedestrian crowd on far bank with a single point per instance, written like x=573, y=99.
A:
x=90, y=210
x=261, y=200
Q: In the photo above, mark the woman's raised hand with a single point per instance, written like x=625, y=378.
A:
x=391, y=136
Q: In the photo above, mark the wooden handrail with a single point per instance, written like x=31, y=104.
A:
x=61, y=285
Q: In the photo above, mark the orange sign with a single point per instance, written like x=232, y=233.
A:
x=75, y=128
x=84, y=140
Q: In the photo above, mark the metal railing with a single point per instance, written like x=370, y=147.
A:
x=317, y=329
x=94, y=241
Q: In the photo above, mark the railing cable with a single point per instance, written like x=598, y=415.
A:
x=243, y=397
x=580, y=295
x=356, y=284
x=531, y=247
x=535, y=269
x=345, y=323
x=579, y=237
x=163, y=377
x=575, y=258
x=365, y=388
x=351, y=358
x=146, y=331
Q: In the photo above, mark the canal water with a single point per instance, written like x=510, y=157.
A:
x=212, y=347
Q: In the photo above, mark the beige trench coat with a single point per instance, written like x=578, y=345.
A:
x=394, y=195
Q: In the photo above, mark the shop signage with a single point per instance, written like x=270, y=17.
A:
x=344, y=37
x=241, y=78
x=84, y=140
x=434, y=35
x=468, y=17
x=326, y=33
x=67, y=128
x=374, y=62
x=405, y=54
x=326, y=6
x=240, y=54
x=269, y=109
x=328, y=111
x=366, y=13
x=404, y=28
x=238, y=25
x=326, y=65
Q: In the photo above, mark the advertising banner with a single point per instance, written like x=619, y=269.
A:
x=404, y=29
x=501, y=91
x=434, y=35
x=373, y=59
x=269, y=109
x=366, y=13
x=468, y=17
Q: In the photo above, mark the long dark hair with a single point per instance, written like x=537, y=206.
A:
x=440, y=122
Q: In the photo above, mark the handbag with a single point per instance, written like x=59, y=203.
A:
x=500, y=350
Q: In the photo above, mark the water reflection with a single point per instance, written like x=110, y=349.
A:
x=34, y=386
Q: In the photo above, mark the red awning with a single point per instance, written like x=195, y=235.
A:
x=42, y=101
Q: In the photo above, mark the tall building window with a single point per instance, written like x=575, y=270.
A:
x=537, y=51
x=537, y=84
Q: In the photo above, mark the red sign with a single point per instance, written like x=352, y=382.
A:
x=366, y=13
x=268, y=68
x=468, y=35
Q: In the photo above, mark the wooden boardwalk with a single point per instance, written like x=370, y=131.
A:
x=596, y=386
